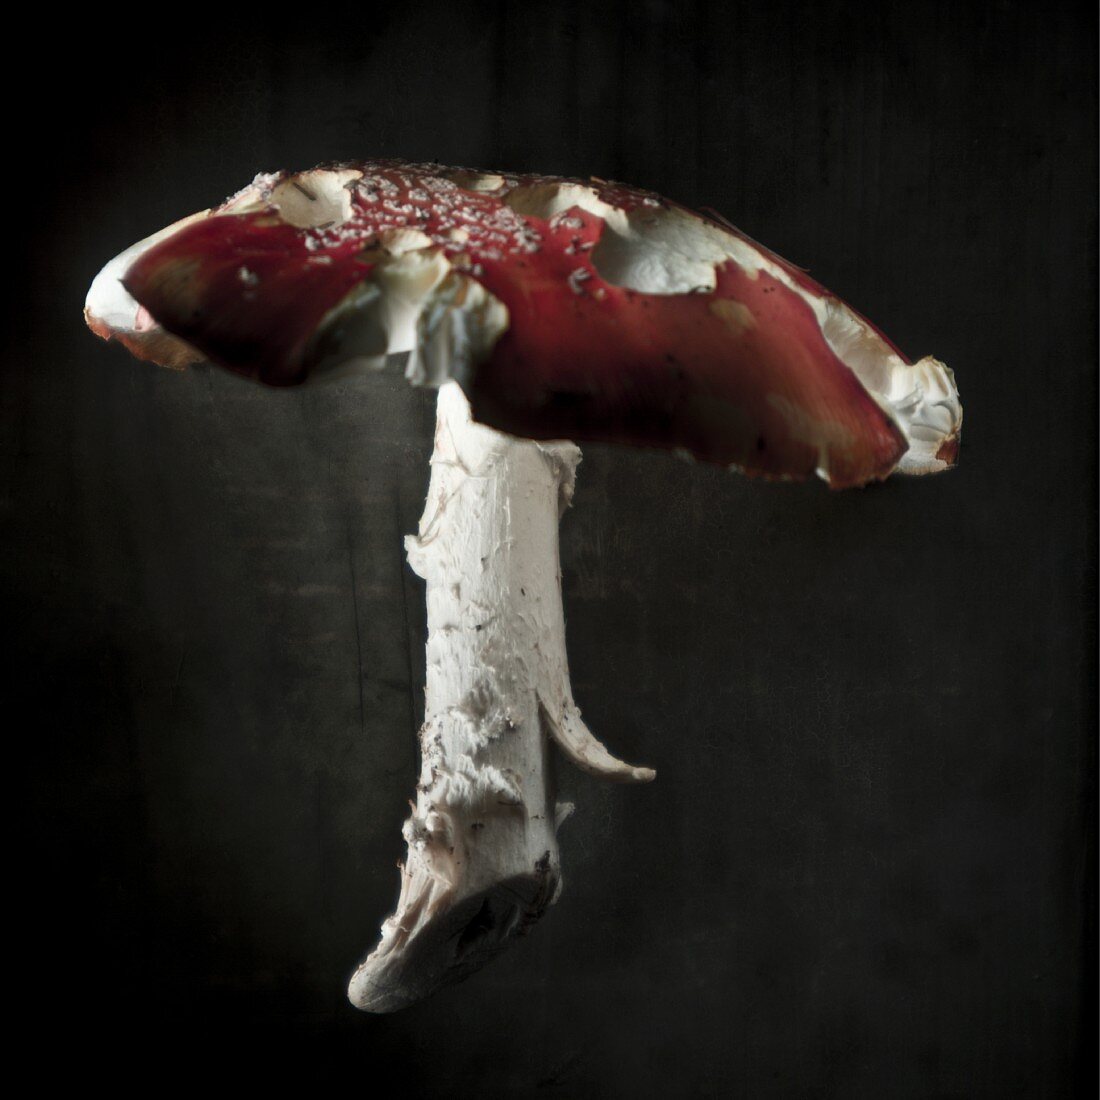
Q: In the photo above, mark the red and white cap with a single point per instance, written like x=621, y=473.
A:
x=571, y=309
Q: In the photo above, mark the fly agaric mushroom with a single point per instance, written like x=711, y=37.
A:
x=543, y=310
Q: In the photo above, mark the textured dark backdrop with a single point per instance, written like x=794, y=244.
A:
x=865, y=868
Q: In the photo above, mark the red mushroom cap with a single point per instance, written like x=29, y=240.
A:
x=565, y=308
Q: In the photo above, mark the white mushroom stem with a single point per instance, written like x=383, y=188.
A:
x=482, y=863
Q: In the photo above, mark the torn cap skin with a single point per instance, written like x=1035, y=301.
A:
x=589, y=311
x=543, y=310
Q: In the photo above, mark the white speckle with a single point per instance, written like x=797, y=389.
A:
x=577, y=278
x=566, y=221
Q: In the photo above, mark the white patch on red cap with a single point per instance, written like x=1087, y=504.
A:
x=317, y=199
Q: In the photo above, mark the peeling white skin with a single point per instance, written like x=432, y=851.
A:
x=671, y=252
x=921, y=397
x=476, y=181
x=109, y=308
x=458, y=324
x=650, y=249
x=413, y=305
x=482, y=862
x=379, y=317
x=666, y=250
x=108, y=301
x=308, y=200
x=318, y=198
x=545, y=200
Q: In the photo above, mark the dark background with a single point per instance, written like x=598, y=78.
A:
x=866, y=866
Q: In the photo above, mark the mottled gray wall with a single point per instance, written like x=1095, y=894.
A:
x=864, y=868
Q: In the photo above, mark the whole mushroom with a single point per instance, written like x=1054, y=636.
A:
x=543, y=310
